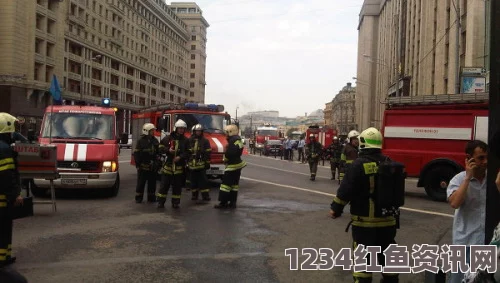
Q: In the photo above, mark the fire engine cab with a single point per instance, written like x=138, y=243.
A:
x=265, y=133
x=428, y=134
x=323, y=135
x=87, y=147
x=211, y=116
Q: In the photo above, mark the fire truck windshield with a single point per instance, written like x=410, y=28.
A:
x=273, y=133
x=78, y=126
x=211, y=123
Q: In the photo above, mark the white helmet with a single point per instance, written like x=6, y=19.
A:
x=335, y=138
x=352, y=134
x=7, y=123
x=180, y=124
x=231, y=130
x=147, y=127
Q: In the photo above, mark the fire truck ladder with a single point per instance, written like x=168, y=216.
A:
x=462, y=98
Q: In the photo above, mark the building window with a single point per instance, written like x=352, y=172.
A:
x=193, y=47
x=193, y=37
x=191, y=94
x=192, y=75
x=193, y=56
x=191, y=84
x=193, y=66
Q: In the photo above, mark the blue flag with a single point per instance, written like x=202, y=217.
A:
x=55, y=90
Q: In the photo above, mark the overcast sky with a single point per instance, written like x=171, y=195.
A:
x=287, y=55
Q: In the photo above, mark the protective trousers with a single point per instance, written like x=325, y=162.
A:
x=174, y=180
x=334, y=165
x=144, y=176
x=313, y=167
x=5, y=231
x=300, y=152
x=229, y=188
x=199, y=183
x=381, y=237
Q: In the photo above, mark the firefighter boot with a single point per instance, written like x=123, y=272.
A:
x=233, y=197
x=194, y=195
x=205, y=195
x=151, y=198
x=221, y=205
x=313, y=177
x=138, y=198
x=333, y=176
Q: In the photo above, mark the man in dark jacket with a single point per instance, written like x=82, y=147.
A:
x=145, y=156
x=198, y=162
x=334, y=152
x=173, y=170
x=349, y=153
x=10, y=190
x=228, y=193
x=371, y=226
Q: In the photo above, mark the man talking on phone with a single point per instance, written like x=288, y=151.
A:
x=467, y=195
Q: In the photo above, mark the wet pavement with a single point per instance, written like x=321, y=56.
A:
x=95, y=239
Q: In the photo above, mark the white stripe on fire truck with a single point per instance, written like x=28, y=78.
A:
x=82, y=152
x=220, y=148
x=428, y=133
x=69, y=151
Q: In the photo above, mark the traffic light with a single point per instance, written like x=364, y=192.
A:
x=106, y=102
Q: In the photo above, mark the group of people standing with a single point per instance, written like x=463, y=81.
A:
x=178, y=158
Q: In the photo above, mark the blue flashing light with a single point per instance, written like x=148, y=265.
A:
x=106, y=102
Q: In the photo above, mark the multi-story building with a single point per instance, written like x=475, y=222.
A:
x=135, y=52
x=344, y=110
x=197, y=26
x=329, y=114
x=420, y=46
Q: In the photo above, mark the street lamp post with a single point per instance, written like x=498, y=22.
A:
x=82, y=86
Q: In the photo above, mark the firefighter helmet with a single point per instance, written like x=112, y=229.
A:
x=370, y=138
x=352, y=134
x=180, y=124
x=335, y=138
x=197, y=127
x=231, y=130
x=7, y=123
x=147, y=127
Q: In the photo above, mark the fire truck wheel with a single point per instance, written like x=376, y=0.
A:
x=436, y=181
x=113, y=191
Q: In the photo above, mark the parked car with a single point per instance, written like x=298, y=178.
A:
x=273, y=147
x=128, y=144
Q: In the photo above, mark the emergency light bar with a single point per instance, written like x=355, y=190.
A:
x=200, y=106
x=106, y=102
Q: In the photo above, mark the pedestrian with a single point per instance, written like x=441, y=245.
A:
x=374, y=206
x=300, y=150
x=466, y=193
x=199, y=151
x=10, y=190
x=173, y=170
x=228, y=192
x=349, y=153
x=145, y=157
x=313, y=153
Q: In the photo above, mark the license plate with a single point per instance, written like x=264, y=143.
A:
x=215, y=172
x=74, y=181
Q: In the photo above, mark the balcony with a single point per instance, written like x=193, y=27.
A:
x=96, y=82
x=39, y=58
x=77, y=20
x=116, y=8
x=144, y=54
x=116, y=41
x=114, y=87
x=50, y=61
x=73, y=76
x=82, y=3
x=115, y=72
x=75, y=57
x=51, y=37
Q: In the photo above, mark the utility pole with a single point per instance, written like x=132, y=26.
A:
x=457, y=43
x=492, y=195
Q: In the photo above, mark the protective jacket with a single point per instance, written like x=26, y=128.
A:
x=178, y=143
x=199, y=153
x=234, y=150
x=334, y=152
x=146, y=153
x=314, y=150
x=358, y=189
x=9, y=174
x=349, y=154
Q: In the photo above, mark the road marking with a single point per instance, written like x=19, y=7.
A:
x=271, y=157
x=289, y=171
x=124, y=161
x=121, y=260
x=332, y=195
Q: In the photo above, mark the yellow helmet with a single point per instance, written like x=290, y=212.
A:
x=370, y=138
x=231, y=130
x=7, y=123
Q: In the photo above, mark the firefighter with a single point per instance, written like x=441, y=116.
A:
x=349, y=153
x=374, y=199
x=314, y=150
x=198, y=162
x=145, y=156
x=228, y=192
x=334, y=152
x=10, y=190
x=173, y=170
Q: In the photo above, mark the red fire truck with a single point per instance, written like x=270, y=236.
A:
x=265, y=133
x=428, y=134
x=323, y=135
x=87, y=147
x=164, y=116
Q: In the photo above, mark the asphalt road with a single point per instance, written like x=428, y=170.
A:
x=96, y=239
